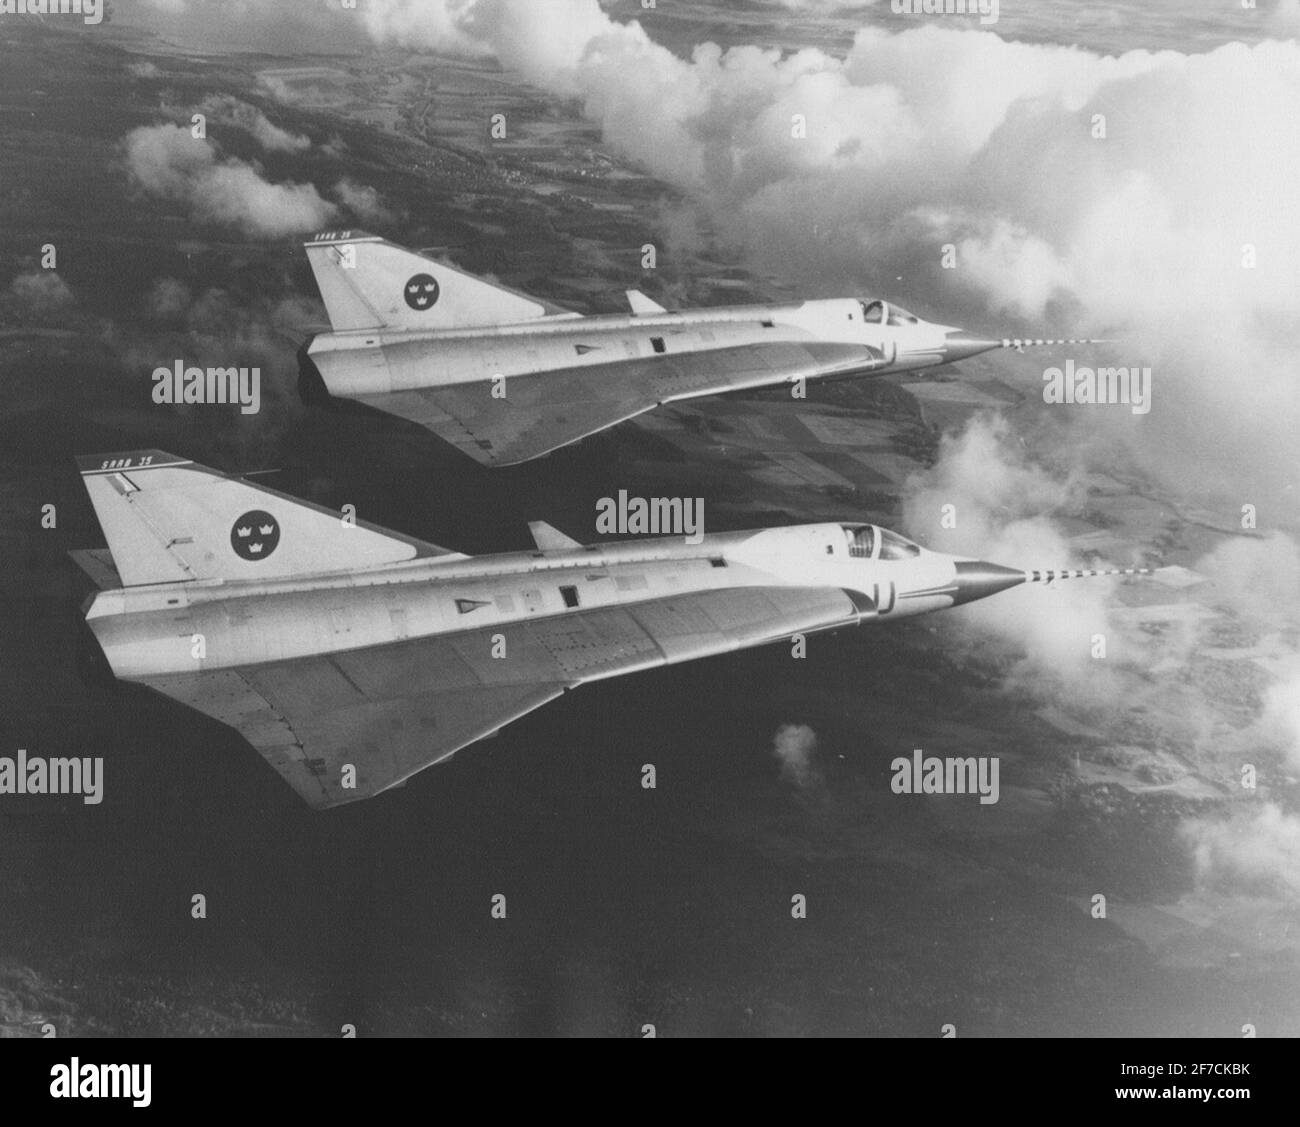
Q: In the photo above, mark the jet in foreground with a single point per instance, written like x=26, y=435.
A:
x=505, y=377
x=352, y=657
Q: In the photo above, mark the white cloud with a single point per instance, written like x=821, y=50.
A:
x=439, y=24
x=1284, y=20
x=166, y=161
x=37, y=290
x=1257, y=576
x=1281, y=719
x=794, y=745
x=224, y=108
x=1253, y=850
x=1005, y=507
x=364, y=202
x=167, y=299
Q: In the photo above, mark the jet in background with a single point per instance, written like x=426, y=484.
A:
x=352, y=657
x=505, y=377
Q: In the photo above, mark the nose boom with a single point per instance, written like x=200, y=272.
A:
x=960, y=345
x=978, y=579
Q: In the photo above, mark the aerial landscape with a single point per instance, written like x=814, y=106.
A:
x=1147, y=727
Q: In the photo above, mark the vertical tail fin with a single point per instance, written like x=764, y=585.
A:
x=170, y=520
x=369, y=283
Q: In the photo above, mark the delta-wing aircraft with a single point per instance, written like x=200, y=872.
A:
x=352, y=657
x=505, y=377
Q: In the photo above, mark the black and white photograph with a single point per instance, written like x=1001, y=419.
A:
x=638, y=519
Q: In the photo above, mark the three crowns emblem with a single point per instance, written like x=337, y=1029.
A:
x=255, y=535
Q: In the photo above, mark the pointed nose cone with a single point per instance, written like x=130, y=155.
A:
x=978, y=580
x=960, y=345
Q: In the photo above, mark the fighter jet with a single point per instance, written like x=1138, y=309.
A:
x=506, y=377
x=352, y=657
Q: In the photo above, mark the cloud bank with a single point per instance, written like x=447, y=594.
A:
x=165, y=161
x=230, y=110
x=1142, y=196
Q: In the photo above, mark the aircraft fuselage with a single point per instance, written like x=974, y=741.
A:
x=367, y=362
x=152, y=630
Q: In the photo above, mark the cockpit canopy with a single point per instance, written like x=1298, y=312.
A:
x=895, y=547
x=887, y=313
x=867, y=542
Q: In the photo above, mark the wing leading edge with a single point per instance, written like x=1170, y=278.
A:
x=390, y=711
